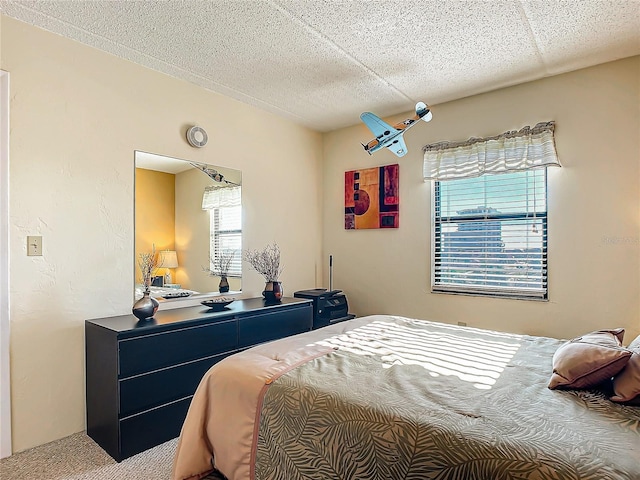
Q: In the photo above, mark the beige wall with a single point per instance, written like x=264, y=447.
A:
x=594, y=209
x=77, y=115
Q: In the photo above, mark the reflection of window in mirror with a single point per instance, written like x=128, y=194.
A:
x=225, y=213
x=226, y=237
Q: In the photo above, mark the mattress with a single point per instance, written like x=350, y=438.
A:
x=386, y=397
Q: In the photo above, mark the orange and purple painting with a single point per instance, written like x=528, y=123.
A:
x=371, y=198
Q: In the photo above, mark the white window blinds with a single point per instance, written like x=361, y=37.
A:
x=224, y=205
x=490, y=235
x=226, y=237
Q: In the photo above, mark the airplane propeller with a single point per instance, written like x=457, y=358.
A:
x=420, y=111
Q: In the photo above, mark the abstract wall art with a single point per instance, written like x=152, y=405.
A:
x=372, y=198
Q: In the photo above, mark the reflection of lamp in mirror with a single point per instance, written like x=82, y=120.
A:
x=168, y=259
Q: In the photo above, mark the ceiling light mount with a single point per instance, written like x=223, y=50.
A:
x=197, y=137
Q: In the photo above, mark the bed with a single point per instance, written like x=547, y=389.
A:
x=163, y=292
x=387, y=397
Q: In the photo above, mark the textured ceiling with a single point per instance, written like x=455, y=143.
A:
x=321, y=63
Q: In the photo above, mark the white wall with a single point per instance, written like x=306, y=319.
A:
x=594, y=208
x=77, y=115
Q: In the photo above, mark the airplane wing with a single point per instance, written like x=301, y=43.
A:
x=398, y=146
x=379, y=128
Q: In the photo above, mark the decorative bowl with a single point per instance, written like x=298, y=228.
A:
x=217, y=303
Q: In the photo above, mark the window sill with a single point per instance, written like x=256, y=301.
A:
x=501, y=295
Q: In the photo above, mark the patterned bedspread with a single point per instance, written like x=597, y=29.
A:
x=398, y=398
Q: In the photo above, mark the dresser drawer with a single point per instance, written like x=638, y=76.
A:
x=143, y=431
x=264, y=327
x=148, y=390
x=151, y=352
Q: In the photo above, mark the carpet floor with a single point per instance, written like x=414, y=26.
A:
x=78, y=457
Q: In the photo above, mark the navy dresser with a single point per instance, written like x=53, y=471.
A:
x=140, y=377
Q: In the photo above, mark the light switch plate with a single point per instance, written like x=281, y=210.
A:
x=34, y=246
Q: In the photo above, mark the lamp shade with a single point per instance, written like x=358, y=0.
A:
x=168, y=259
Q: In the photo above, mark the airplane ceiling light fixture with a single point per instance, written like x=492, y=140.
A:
x=212, y=173
x=392, y=137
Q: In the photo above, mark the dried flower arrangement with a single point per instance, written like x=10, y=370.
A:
x=148, y=263
x=266, y=262
x=220, y=266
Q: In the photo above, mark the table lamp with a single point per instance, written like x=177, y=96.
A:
x=168, y=259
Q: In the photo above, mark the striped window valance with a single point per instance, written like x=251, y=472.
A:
x=217, y=197
x=511, y=151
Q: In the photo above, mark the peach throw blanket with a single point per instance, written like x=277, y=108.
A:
x=222, y=421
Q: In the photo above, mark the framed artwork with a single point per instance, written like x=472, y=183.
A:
x=372, y=198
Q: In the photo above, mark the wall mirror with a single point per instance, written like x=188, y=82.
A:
x=192, y=214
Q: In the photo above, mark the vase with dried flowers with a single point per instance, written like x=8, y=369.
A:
x=147, y=306
x=267, y=263
x=220, y=266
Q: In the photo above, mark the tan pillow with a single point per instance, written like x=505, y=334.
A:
x=587, y=361
x=626, y=385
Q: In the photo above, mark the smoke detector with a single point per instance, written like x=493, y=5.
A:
x=197, y=137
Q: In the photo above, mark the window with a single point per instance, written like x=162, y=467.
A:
x=226, y=236
x=490, y=235
x=225, y=207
